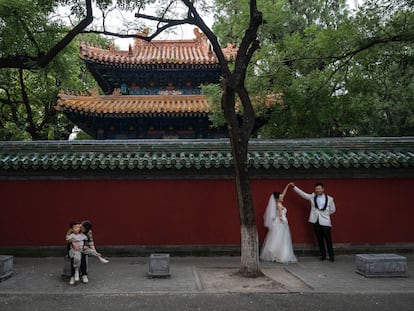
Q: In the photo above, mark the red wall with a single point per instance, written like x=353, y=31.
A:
x=195, y=212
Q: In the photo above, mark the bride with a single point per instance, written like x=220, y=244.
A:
x=277, y=245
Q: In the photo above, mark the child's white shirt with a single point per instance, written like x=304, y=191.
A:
x=79, y=238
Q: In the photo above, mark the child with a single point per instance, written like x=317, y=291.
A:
x=76, y=240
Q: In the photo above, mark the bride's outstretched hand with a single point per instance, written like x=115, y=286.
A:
x=285, y=190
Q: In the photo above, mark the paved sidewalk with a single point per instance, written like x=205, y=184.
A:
x=128, y=275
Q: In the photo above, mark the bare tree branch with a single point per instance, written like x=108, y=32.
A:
x=168, y=24
x=210, y=35
x=18, y=61
x=48, y=57
x=31, y=127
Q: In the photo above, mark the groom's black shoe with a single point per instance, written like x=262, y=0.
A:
x=322, y=258
x=331, y=259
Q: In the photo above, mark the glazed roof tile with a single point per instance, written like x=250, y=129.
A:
x=194, y=51
x=134, y=105
x=361, y=153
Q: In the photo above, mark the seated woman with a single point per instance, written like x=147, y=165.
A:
x=81, y=244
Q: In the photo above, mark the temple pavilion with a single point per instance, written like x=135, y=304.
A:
x=150, y=91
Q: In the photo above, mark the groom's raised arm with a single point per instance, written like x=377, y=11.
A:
x=303, y=194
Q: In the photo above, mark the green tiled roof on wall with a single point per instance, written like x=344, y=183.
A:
x=206, y=154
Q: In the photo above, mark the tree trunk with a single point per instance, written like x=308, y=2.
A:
x=30, y=124
x=249, y=265
x=239, y=139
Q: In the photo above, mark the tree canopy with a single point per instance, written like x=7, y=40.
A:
x=340, y=71
x=31, y=75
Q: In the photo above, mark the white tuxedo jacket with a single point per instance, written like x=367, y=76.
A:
x=315, y=213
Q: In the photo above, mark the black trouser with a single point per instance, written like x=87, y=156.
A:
x=323, y=234
x=83, y=266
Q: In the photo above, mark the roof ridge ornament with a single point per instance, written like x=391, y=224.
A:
x=94, y=92
x=139, y=41
x=117, y=92
x=201, y=39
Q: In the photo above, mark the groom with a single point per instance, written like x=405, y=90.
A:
x=322, y=207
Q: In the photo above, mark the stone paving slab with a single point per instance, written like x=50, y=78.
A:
x=276, y=280
x=128, y=275
x=341, y=276
x=120, y=275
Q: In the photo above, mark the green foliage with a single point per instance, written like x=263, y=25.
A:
x=83, y=136
x=28, y=97
x=340, y=73
x=213, y=93
x=25, y=27
x=230, y=20
x=40, y=120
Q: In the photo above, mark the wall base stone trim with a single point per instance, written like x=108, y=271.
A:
x=203, y=250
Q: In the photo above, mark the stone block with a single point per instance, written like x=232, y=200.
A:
x=6, y=267
x=159, y=266
x=381, y=265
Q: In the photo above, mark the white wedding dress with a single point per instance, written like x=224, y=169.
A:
x=277, y=245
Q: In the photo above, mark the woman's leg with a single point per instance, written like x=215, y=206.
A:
x=84, y=265
x=89, y=251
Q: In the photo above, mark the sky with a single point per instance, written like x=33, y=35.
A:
x=186, y=31
x=119, y=22
x=116, y=22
